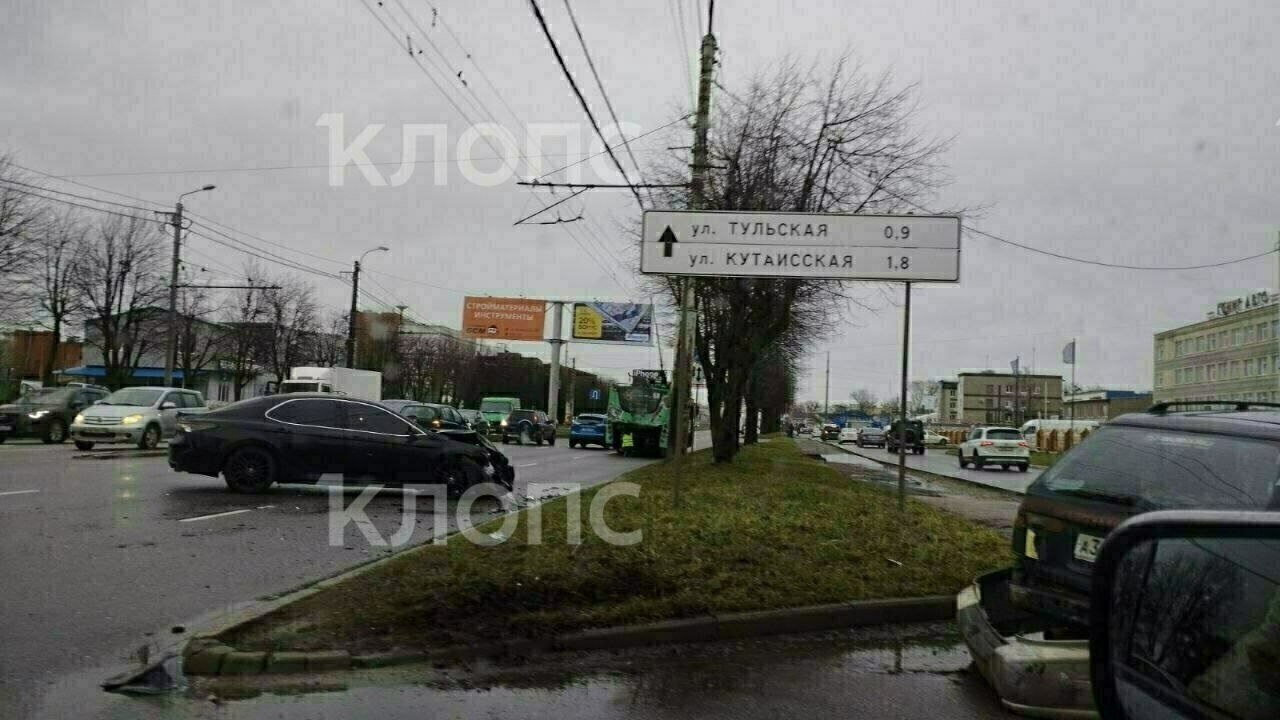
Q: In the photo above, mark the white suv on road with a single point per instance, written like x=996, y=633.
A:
x=1001, y=446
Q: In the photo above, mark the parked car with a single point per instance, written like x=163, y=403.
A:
x=1212, y=460
x=913, y=439
x=848, y=434
x=870, y=437
x=139, y=415
x=300, y=437
x=531, y=424
x=476, y=420
x=587, y=429
x=47, y=413
x=1001, y=446
x=933, y=438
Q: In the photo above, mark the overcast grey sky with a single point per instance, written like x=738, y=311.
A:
x=1128, y=132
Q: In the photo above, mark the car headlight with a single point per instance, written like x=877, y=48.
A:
x=79, y=419
x=503, y=423
x=37, y=414
x=131, y=420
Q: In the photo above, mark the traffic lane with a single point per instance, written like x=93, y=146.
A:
x=109, y=551
x=936, y=460
x=892, y=672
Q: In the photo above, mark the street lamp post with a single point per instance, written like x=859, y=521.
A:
x=355, y=291
x=171, y=347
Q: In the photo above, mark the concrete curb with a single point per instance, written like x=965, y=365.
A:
x=894, y=465
x=207, y=656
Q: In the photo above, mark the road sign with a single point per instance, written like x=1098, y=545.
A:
x=594, y=394
x=911, y=248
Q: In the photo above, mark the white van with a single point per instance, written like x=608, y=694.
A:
x=1031, y=427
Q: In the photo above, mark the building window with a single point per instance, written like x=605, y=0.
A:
x=1159, y=350
x=1262, y=331
x=991, y=389
x=1200, y=344
x=1222, y=371
x=1177, y=377
x=1235, y=368
x=1200, y=374
x=1237, y=337
x=1213, y=373
x=1213, y=342
x=1249, y=334
x=1222, y=338
x=1248, y=367
x=1264, y=365
x=1177, y=348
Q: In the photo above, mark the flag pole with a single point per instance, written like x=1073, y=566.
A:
x=1074, y=389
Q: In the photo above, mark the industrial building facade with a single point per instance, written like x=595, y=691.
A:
x=998, y=398
x=1234, y=354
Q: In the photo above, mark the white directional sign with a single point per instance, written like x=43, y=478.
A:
x=916, y=248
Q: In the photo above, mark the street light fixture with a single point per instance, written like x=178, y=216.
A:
x=355, y=291
x=171, y=347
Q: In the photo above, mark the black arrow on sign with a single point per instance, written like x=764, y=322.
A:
x=668, y=239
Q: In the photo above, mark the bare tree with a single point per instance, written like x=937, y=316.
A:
x=56, y=253
x=20, y=216
x=199, y=339
x=243, y=331
x=326, y=347
x=118, y=279
x=919, y=392
x=290, y=311
x=864, y=400
x=795, y=143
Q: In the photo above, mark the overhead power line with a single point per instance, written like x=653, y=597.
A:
x=82, y=205
x=604, y=94
x=564, y=68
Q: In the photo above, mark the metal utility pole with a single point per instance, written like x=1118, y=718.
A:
x=826, y=393
x=171, y=346
x=573, y=388
x=697, y=201
x=553, y=387
x=355, y=293
x=902, y=400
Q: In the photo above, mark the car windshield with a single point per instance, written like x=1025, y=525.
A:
x=48, y=396
x=138, y=397
x=495, y=406
x=1004, y=434
x=1163, y=469
x=589, y=419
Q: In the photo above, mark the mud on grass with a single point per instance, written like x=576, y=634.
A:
x=774, y=529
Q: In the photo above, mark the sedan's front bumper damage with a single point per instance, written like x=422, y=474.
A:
x=1033, y=676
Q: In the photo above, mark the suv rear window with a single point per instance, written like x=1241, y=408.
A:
x=521, y=414
x=1003, y=435
x=1162, y=469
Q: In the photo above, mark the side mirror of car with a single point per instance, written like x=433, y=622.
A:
x=168, y=405
x=1185, y=617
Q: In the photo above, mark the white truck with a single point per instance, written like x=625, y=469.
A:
x=359, y=384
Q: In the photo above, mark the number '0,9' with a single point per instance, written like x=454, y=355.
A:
x=891, y=233
x=899, y=263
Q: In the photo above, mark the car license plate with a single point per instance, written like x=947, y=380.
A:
x=1087, y=547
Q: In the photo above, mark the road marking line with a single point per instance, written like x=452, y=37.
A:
x=527, y=465
x=265, y=507
x=216, y=515
x=575, y=457
x=19, y=492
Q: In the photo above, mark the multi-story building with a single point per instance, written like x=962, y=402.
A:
x=1233, y=354
x=994, y=397
x=1103, y=405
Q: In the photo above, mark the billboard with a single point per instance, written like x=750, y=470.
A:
x=495, y=318
x=606, y=322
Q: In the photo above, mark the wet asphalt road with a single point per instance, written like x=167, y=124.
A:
x=888, y=673
x=936, y=460
x=95, y=555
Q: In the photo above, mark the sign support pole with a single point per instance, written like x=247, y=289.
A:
x=697, y=200
x=553, y=387
x=902, y=408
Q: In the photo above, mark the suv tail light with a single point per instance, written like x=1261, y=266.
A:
x=1022, y=444
x=194, y=425
x=986, y=443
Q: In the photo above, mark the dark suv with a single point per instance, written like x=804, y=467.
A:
x=531, y=424
x=913, y=441
x=46, y=413
x=1226, y=459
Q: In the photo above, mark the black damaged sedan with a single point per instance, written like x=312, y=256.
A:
x=304, y=437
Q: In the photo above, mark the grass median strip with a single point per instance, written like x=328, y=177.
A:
x=775, y=529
